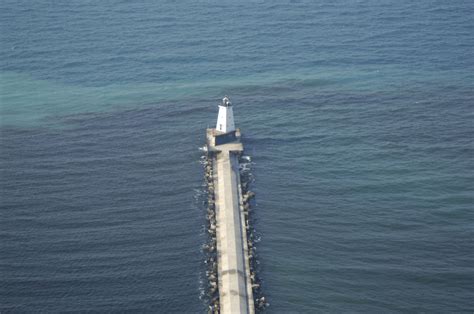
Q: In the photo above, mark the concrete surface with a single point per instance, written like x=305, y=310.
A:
x=235, y=291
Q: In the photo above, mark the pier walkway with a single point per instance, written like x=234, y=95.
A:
x=233, y=273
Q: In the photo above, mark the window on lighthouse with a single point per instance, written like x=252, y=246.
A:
x=220, y=127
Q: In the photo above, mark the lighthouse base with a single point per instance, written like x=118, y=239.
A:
x=217, y=138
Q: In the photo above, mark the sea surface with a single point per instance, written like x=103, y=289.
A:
x=358, y=117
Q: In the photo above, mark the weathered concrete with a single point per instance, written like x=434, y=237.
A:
x=235, y=290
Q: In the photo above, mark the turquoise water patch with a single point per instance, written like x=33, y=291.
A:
x=27, y=101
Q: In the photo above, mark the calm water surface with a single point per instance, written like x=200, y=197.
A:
x=358, y=116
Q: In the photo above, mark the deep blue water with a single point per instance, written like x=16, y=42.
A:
x=358, y=116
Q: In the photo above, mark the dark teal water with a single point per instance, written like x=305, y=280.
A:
x=358, y=116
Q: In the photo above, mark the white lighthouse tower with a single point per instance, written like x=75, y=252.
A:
x=225, y=119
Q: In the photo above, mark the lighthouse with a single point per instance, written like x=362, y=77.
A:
x=225, y=131
x=225, y=118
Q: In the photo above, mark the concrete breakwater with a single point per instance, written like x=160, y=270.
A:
x=233, y=283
